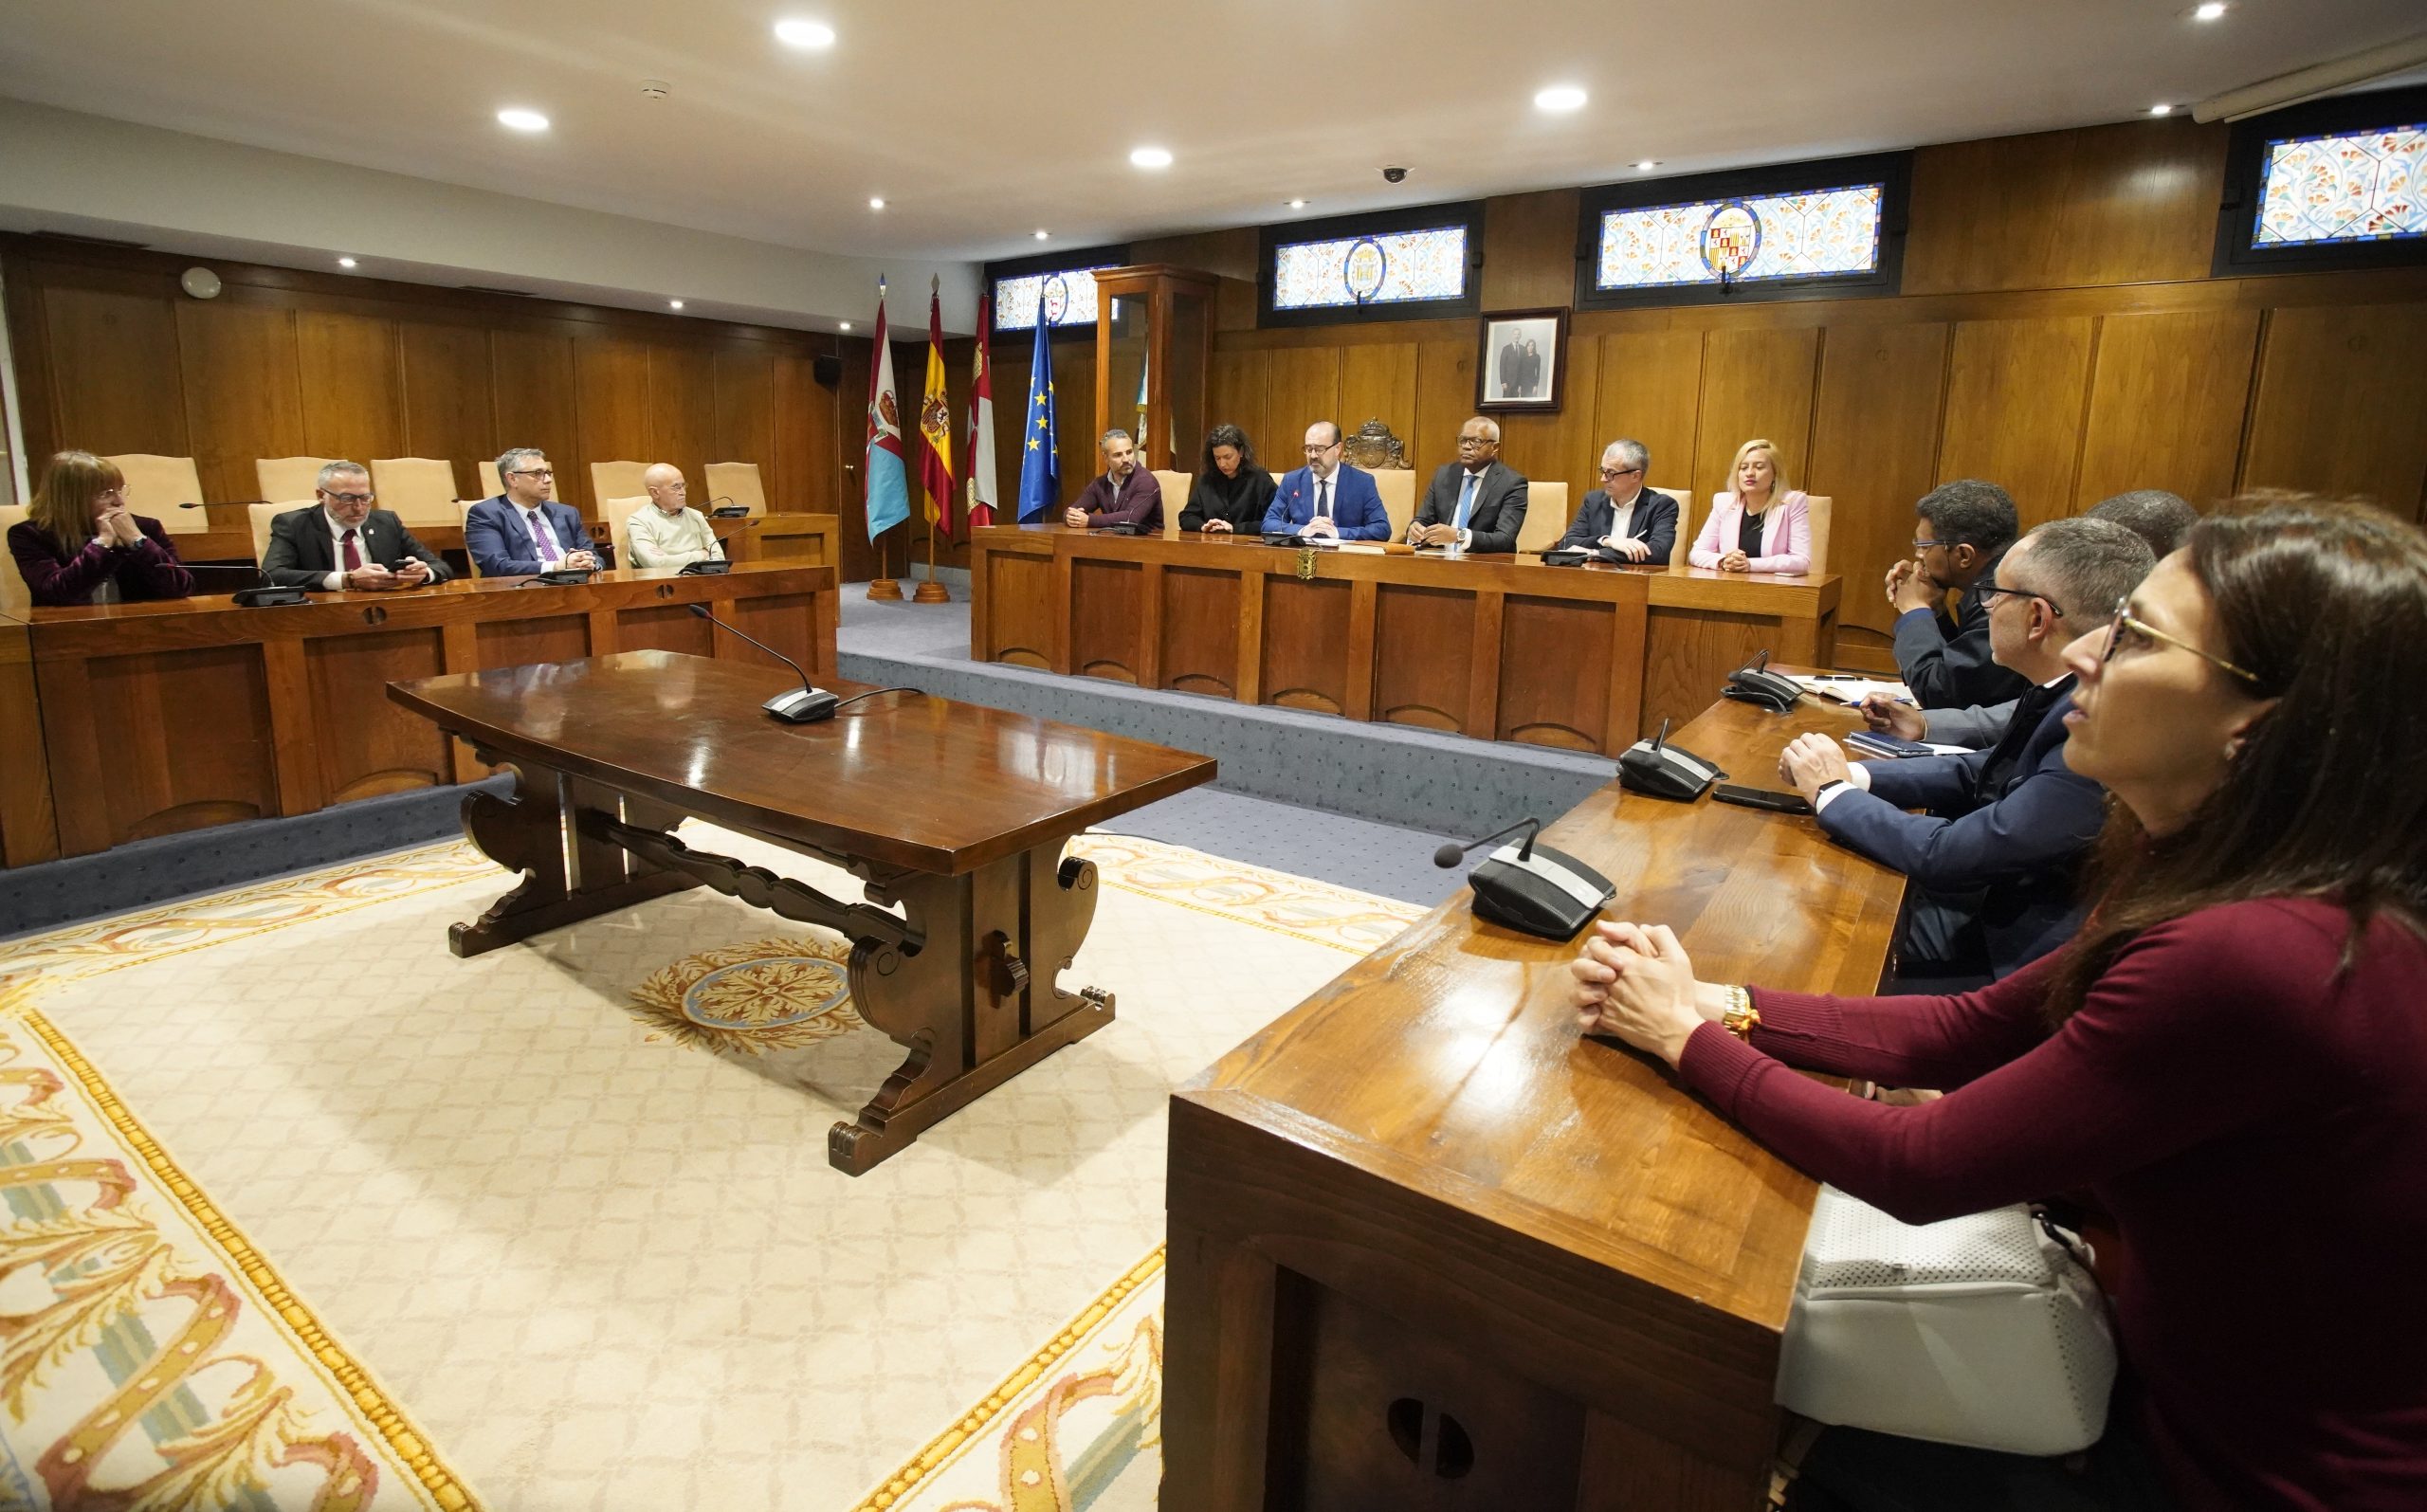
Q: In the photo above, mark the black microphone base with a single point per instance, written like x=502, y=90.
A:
x=1550, y=894
x=802, y=705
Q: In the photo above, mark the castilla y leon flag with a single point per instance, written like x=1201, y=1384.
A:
x=935, y=419
x=981, y=425
x=888, y=487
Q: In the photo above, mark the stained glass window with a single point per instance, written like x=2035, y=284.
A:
x=1815, y=235
x=1390, y=268
x=1069, y=296
x=2351, y=187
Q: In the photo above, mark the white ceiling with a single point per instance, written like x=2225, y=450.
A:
x=979, y=120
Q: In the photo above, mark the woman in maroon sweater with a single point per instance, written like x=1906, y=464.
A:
x=2233, y=1054
x=79, y=543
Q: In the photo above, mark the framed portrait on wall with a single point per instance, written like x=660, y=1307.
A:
x=1523, y=362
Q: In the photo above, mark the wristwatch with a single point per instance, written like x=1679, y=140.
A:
x=1741, y=1017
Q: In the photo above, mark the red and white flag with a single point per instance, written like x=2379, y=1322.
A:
x=981, y=422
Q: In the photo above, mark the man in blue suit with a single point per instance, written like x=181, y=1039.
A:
x=522, y=531
x=1325, y=498
x=1995, y=859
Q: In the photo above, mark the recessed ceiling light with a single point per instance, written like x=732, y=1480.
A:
x=674, y=304
x=345, y=261
x=811, y=36
x=522, y=119
x=2212, y=10
x=1560, y=98
x=876, y=202
x=2161, y=110
x=1150, y=158
x=1041, y=233
x=843, y=326
x=1297, y=204
x=1647, y=165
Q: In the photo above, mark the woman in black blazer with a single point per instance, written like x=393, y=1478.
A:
x=79, y=544
x=1231, y=493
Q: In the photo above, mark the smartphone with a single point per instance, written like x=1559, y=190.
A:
x=1760, y=798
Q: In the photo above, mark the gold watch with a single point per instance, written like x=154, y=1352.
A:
x=1741, y=1018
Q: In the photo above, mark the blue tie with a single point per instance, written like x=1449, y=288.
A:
x=1467, y=501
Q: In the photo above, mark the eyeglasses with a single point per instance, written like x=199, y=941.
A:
x=345, y=499
x=1317, y=451
x=1477, y=441
x=2123, y=620
x=1920, y=546
x=1991, y=593
x=1618, y=472
x=533, y=473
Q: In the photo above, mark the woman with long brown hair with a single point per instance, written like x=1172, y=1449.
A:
x=2232, y=1055
x=79, y=544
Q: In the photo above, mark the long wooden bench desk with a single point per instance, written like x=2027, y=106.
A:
x=815, y=541
x=155, y=718
x=1432, y=1249
x=1498, y=647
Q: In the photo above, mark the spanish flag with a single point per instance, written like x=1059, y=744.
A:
x=935, y=420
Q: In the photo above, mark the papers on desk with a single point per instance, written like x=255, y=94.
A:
x=1852, y=689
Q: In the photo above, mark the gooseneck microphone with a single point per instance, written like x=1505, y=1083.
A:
x=1449, y=855
x=806, y=705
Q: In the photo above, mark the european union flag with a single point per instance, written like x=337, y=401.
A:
x=1040, y=472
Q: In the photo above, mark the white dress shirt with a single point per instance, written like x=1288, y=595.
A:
x=1621, y=516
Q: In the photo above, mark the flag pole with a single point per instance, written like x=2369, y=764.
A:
x=934, y=451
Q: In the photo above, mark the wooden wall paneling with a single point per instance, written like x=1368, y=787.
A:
x=1650, y=390
x=683, y=410
x=1756, y=382
x=1529, y=250
x=667, y=627
x=243, y=395
x=744, y=383
x=1303, y=387
x=1106, y=610
x=1074, y=415
x=113, y=363
x=29, y=827
x=1445, y=396
x=366, y=744
x=2168, y=398
x=352, y=377
x=523, y=642
x=1379, y=382
x=802, y=468
x=611, y=410
x=1234, y=397
x=787, y=623
x=1560, y=447
x=185, y=741
x=2340, y=392
x=449, y=404
x=1422, y=675
x=1553, y=662
x=1200, y=632
x=1302, y=635
x=1874, y=442
x=2129, y=203
x=1687, y=655
x=1020, y=609
x=2014, y=409
x=532, y=389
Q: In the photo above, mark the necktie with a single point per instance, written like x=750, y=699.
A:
x=1467, y=499
x=353, y=557
x=539, y=536
x=1322, y=499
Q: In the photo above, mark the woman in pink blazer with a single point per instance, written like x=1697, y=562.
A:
x=1780, y=513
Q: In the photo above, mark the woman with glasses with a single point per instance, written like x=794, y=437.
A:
x=1231, y=493
x=79, y=543
x=2230, y=1055
x=1762, y=525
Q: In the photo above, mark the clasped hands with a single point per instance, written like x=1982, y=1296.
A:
x=1634, y=981
x=116, y=526
x=1909, y=587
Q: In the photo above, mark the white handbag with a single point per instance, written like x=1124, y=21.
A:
x=1987, y=1330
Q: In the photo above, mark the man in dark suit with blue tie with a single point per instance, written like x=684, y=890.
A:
x=1476, y=504
x=522, y=531
x=1622, y=519
x=1995, y=859
x=1326, y=498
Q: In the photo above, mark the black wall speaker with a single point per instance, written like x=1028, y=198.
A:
x=826, y=370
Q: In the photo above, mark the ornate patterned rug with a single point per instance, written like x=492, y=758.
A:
x=303, y=1211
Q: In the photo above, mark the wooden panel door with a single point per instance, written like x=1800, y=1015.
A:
x=243, y=396
x=2167, y=402
x=1875, y=441
x=352, y=377
x=1755, y=383
x=2341, y=389
x=2014, y=409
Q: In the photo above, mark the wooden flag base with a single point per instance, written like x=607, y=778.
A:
x=885, y=588
x=931, y=592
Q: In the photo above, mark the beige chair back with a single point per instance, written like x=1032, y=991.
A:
x=1175, y=487
x=1685, y=541
x=259, y=517
x=290, y=477
x=1816, y=507
x=619, y=527
x=616, y=479
x=418, y=490
x=492, y=485
x=156, y=485
x=737, y=480
x=15, y=597
x=1545, y=516
x=1398, y=487
x=464, y=513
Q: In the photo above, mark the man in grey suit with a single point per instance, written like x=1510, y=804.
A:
x=1476, y=504
x=341, y=542
x=1622, y=519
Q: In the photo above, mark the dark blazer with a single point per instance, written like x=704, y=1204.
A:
x=1500, y=505
x=1241, y=500
x=301, y=554
x=1654, y=523
x=1945, y=662
x=55, y=579
x=499, y=543
x=1356, y=504
x=2012, y=823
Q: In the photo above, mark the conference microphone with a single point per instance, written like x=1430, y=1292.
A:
x=724, y=507
x=806, y=705
x=1531, y=888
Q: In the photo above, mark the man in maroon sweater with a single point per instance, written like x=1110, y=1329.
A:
x=1125, y=494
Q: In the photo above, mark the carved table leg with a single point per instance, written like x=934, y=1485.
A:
x=978, y=1002
x=533, y=832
